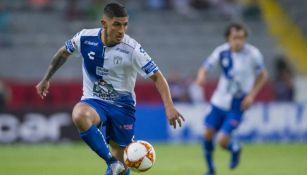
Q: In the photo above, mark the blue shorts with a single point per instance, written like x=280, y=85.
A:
x=117, y=123
x=225, y=121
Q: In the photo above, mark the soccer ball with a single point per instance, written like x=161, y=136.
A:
x=139, y=156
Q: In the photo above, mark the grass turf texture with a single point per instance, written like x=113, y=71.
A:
x=77, y=159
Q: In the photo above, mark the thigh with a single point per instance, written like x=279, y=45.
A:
x=84, y=116
x=232, y=121
x=120, y=126
x=95, y=105
x=214, y=120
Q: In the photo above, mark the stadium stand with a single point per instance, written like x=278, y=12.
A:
x=286, y=32
x=297, y=10
x=172, y=41
x=176, y=43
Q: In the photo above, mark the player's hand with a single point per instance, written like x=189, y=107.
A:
x=201, y=76
x=174, y=117
x=200, y=82
x=42, y=88
x=247, y=102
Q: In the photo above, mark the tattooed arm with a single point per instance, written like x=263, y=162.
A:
x=57, y=61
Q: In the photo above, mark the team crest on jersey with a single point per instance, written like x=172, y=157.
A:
x=225, y=62
x=117, y=60
x=143, y=51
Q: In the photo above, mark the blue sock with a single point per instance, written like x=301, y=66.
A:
x=128, y=172
x=108, y=172
x=233, y=147
x=95, y=140
x=208, y=148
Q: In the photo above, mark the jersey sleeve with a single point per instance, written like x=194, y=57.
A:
x=143, y=63
x=258, y=62
x=73, y=44
x=212, y=60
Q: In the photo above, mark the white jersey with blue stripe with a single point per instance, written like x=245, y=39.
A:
x=109, y=73
x=239, y=72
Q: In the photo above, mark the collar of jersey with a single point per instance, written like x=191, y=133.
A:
x=100, y=41
x=99, y=37
x=240, y=51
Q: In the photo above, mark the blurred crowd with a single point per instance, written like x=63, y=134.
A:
x=183, y=88
x=78, y=9
x=283, y=80
x=92, y=9
x=228, y=9
x=4, y=95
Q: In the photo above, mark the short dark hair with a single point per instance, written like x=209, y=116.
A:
x=115, y=10
x=236, y=26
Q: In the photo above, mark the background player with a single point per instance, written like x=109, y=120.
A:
x=111, y=61
x=243, y=75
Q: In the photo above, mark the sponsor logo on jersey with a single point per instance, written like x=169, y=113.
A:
x=234, y=123
x=127, y=126
x=105, y=90
x=101, y=71
x=122, y=50
x=90, y=43
x=225, y=62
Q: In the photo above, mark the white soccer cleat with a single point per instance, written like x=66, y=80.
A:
x=117, y=168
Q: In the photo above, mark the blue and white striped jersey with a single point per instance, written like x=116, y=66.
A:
x=109, y=73
x=239, y=71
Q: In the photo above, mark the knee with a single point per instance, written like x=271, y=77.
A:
x=78, y=116
x=82, y=116
x=223, y=141
x=209, y=134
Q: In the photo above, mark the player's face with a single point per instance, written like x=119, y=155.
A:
x=237, y=39
x=116, y=28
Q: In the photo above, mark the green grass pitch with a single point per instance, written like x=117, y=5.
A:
x=186, y=159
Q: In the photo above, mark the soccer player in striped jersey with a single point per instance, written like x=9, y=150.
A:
x=111, y=61
x=243, y=75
